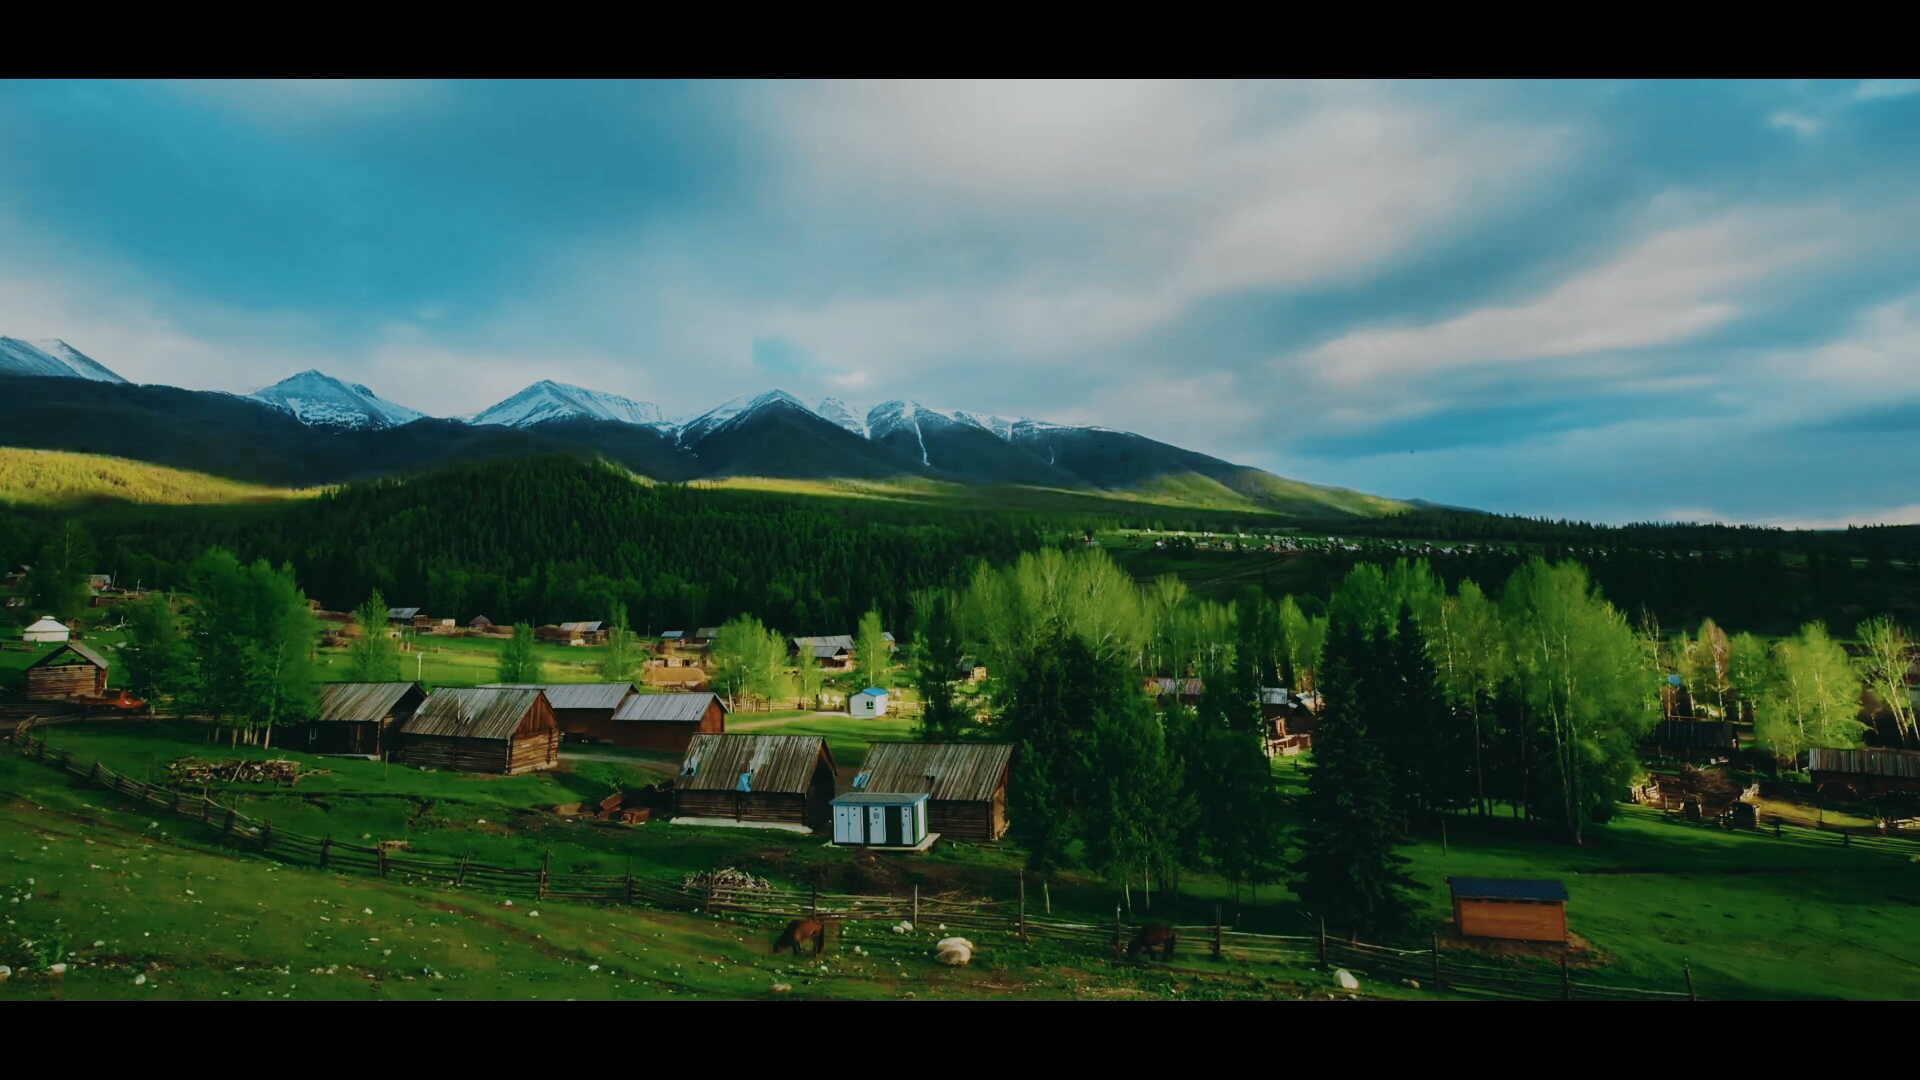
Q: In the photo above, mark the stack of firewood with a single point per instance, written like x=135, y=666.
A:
x=240, y=770
x=728, y=880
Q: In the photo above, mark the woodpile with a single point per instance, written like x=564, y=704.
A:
x=239, y=770
x=1712, y=793
x=728, y=880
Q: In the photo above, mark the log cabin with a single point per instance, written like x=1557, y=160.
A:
x=1511, y=908
x=1862, y=773
x=782, y=781
x=668, y=721
x=485, y=729
x=966, y=782
x=67, y=672
x=357, y=717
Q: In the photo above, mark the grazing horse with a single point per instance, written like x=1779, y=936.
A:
x=1154, y=936
x=800, y=930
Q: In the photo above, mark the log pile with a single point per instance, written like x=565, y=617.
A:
x=239, y=770
x=1714, y=792
x=728, y=880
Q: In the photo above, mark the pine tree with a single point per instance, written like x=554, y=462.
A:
x=1347, y=870
x=155, y=657
x=937, y=660
x=618, y=660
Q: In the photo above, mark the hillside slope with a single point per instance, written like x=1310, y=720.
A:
x=60, y=478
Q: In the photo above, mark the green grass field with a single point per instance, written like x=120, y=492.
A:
x=1754, y=916
x=57, y=478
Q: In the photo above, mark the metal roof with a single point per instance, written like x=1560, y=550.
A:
x=1273, y=695
x=836, y=641
x=85, y=653
x=586, y=695
x=480, y=713
x=824, y=652
x=673, y=633
x=402, y=612
x=1493, y=888
x=680, y=708
x=708, y=632
x=361, y=702
x=866, y=798
x=873, y=691
x=582, y=626
x=778, y=763
x=47, y=622
x=1187, y=687
x=967, y=772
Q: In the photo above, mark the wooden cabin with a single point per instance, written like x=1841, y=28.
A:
x=486, y=729
x=584, y=711
x=966, y=782
x=833, y=652
x=1865, y=772
x=1188, y=690
x=703, y=637
x=667, y=721
x=67, y=672
x=1512, y=908
x=1708, y=737
x=357, y=717
x=777, y=780
x=863, y=819
x=584, y=633
x=402, y=616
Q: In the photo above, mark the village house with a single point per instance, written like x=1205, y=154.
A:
x=668, y=721
x=357, y=717
x=70, y=671
x=703, y=637
x=870, y=703
x=584, y=711
x=833, y=652
x=585, y=633
x=966, y=782
x=486, y=729
x=1863, y=773
x=775, y=781
x=671, y=640
x=1189, y=690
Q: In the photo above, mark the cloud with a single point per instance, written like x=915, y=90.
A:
x=1799, y=123
x=306, y=102
x=1670, y=287
x=1882, y=89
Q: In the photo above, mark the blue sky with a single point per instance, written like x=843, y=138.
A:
x=1611, y=301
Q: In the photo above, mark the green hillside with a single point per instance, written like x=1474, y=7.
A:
x=58, y=478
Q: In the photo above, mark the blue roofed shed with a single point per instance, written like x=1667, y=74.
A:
x=1520, y=909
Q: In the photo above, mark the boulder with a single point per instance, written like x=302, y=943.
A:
x=1346, y=980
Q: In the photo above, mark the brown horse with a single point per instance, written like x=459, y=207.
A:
x=1154, y=936
x=801, y=930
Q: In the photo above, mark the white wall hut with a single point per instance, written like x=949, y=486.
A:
x=871, y=702
x=48, y=629
x=869, y=819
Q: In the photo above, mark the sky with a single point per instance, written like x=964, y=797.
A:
x=1610, y=301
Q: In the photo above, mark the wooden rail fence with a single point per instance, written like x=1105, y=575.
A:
x=1432, y=968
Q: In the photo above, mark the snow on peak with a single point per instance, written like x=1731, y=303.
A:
x=316, y=398
x=851, y=417
x=737, y=409
x=549, y=400
x=51, y=357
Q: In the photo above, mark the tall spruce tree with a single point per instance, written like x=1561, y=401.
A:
x=936, y=673
x=1347, y=871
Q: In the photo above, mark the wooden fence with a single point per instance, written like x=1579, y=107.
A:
x=1432, y=968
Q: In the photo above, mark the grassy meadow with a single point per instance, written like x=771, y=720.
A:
x=57, y=478
x=1752, y=915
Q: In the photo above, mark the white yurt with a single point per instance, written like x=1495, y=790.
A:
x=47, y=629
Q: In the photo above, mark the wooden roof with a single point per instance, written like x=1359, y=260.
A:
x=778, y=763
x=678, y=708
x=75, y=647
x=967, y=772
x=479, y=713
x=361, y=702
x=1898, y=763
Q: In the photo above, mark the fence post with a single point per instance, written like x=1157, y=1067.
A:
x=1023, y=905
x=1219, y=933
x=380, y=856
x=1119, y=932
x=1687, y=968
x=629, y=883
x=460, y=875
x=326, y=844
x=916, y=905
x=1566, y=981
x=1323, y=943
x=813, y=901
x=94, y=776
x=266, y=834
x=227, y=829
x=1436, y=962
x=546, y=866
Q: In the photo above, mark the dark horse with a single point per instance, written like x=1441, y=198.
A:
x=1154, y=936
x=801, y=930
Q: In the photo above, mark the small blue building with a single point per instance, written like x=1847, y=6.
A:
x=870, y=702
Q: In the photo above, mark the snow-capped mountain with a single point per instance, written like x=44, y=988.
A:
x=851, y=417
x=740, y=408
x=320, y=400
x=548, y=400
x=51, y=357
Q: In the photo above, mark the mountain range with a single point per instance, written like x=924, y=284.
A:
x=313, y=429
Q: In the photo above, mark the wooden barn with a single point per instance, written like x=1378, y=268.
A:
x=833, y=652
x=1512, y=908
x=1865, y=772
x=402, y=616
x=668, y=721
x=1188, y=690
x=584, y=711
x=967, y=782
x=68, y=671
x=783, y=781
x=357, y=717
x=486, y=729
x=584, y=633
